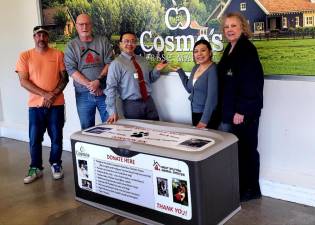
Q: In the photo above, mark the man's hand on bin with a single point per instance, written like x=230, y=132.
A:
x=112, y=118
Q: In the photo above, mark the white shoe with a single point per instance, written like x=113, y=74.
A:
x=57, y=171
x=33, y=174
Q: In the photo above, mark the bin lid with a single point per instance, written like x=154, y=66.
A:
x=158, y=138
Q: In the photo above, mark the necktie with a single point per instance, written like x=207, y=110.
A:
x=143, y=89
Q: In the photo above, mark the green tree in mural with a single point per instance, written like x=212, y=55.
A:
x=106, y=16
x=170, y=3
x=214, y=23
x=115, y=16
x=155, y=18
x=211, y=4
x=142, y=16
x=77, y=7
x=52, y=3
x=61, y=18
x=198, y=10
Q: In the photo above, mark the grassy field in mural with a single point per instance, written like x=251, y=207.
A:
x=61, y=46
x=279, y=57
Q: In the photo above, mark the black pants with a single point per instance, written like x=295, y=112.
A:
x=248, y=156
x=196, y=117
x=139, y=109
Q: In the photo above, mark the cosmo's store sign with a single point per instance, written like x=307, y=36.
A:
x=182, y=43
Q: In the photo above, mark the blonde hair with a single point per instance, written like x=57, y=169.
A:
x=244, y=24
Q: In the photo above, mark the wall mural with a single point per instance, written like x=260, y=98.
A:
x=283, y=30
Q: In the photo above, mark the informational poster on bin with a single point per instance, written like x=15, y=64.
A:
x=161, y=138
x=150, y=181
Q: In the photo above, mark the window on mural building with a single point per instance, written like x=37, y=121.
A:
x=259, y=27
x=309, y=20
x=297, y=21
x=285, y=22
x=243, y=6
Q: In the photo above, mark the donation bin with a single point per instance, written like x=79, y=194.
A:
x=157, y=173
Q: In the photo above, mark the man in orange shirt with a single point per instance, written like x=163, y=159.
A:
x=42, y=72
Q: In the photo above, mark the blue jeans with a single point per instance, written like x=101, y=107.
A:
x=86, y=107
x=41, y=119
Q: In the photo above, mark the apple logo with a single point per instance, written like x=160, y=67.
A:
x=178, y=12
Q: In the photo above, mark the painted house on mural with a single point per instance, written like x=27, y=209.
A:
x=272, y=15
x=194, y=29
x=197, y=29
x=49, y=20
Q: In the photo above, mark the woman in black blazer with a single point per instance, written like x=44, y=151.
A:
x=241, y=81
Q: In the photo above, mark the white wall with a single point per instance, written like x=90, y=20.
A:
x=287, y=126
x=286, y=140
x=1, y=117
x=171, y=99
x=18, y=18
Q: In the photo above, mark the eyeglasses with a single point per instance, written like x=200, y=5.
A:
x=130, y=42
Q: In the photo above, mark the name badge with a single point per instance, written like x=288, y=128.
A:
x=135, y=75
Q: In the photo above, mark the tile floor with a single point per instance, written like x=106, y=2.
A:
x=49, y=202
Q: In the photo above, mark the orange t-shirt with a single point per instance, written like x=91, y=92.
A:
x=44, y=71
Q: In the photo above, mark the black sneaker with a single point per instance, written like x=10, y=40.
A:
x=250, y=194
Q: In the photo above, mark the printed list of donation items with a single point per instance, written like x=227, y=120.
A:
x=129, y=184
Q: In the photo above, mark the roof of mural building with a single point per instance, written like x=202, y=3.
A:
x=280, y=6
x=285, y=6
x=195, y=25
